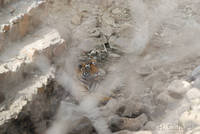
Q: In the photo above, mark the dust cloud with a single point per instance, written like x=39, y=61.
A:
x=148, y=17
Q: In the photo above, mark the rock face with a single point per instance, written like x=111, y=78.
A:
x=2, y=97
x=29, y=94
x=35, y=116
x=22, y=24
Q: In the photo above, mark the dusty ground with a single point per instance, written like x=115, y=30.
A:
x=12, y=10
x=146, y=88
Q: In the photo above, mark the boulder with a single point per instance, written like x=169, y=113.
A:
x=130, y=109
x=193, y=95
x=150, y=125
x=76, y=20
x=133, y=124
x=165, y=98
x=84, y=126
x=132, y=132
x=190, y=119
x=142, y=132
x=194, y=131
x=116, y=11
x=178, y=88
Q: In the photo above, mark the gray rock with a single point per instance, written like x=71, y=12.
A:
x=142, y=132
x=194, y=131
x=123, y=132
x=190, y=119
x=130, y=109
x=116, y=11
x=133, y=124
x=150, y=126
x=84, y=126
x=132, y=132
x=193, y=94
x=116, y=123
x=76, y=20
x=113, y=55
x=165, y=98
x=178, y=88
x=144, y=71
